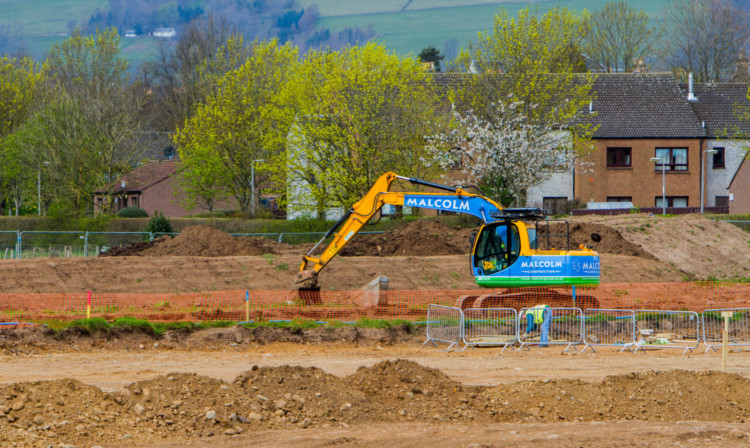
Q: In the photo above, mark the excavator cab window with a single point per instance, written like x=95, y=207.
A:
x=498, y=247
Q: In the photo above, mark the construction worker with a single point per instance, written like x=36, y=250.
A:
x=538, y=317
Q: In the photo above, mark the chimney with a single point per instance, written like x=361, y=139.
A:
x=691, y=96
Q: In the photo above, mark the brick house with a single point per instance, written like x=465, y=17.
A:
x=727, y=180
x=641, y=117
x=152, y=186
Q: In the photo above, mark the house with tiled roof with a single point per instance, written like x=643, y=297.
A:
x=151, y=186
x=640, y=118
x=720, y=107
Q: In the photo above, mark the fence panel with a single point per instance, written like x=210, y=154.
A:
x=608, y=328
x=565, y=328
x=8, y=244
x=667, y=329
x=38, y=244
x=444, y=324
x=98, y=242
x=713, y=327
x=490, y=327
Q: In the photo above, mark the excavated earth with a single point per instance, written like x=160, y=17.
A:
x=185, y=406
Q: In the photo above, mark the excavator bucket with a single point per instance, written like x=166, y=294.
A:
x=308, y=289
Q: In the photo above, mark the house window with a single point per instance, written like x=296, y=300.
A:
x=719, y=158
x=618, y=157
x=673, y=201
x=722, y=201
x=134, y=201
x=619, y=199
x=672, y=159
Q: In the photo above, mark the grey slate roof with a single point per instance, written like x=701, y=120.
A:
x=715, y=105
x=642, y=106
x=627, y=105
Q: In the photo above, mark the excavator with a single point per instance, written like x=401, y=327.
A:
x=509, y=250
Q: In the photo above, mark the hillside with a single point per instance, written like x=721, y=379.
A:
x=405, y=26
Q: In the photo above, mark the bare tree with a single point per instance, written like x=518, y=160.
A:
x=618, y=36
x=177, y=74
x=704, y=37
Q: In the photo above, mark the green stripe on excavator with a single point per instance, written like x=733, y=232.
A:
x=522, y=282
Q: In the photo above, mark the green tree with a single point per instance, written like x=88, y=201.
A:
x=527, y=71
x=618, y=35
x=360, y=111
x=238, y=124
x=21, y=90
x=89, y=133
x=532, y=60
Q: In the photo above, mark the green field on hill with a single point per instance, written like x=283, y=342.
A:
x=404, y=26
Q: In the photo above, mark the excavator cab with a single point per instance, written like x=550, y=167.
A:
x=506, y=253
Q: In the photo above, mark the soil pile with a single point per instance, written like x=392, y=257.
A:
x=305, y=394
x=700, y=247
x=418, y=238
x=612, y=241
x=183, y=407
x=198, y=241
x=653, y=396
x=413, y=391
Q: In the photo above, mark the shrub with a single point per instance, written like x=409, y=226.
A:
x=159, y=224
x=132, y=212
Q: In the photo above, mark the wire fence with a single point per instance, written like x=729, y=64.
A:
x=37, y=244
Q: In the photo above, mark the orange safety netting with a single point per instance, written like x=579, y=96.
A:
x=350, y=306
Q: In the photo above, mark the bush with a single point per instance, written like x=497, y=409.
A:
x=132, y=212
x=159, y=224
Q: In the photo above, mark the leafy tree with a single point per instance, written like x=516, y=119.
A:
x=530, y=60
x=237, y=124
x=704, y=37
x=89, y=133
x=506, y=154
x=21, y=90
x=359, y=112
x=431, y=54
x=526, y=75
x=618, y=36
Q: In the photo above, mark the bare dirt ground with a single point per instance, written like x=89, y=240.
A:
x=366, y=395
x=354, y=387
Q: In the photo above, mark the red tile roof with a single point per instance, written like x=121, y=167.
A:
x=147, y=175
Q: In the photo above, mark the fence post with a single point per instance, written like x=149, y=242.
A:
x=247, y=305
x=18, y=246
x=86, y=244
x=88, y=306
x=150, y=236
x=281, y=235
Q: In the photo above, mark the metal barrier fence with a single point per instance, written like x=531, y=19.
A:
x=565, y=328
x=444, y=324
x=490, y=327
x=612, y=328
x=667, y=329
x=713, y=327
x=37, y=244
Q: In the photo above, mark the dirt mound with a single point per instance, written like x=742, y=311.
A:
x=305, y=393
x=61, y=409
x=415, y=391
x=654, y=396
x=701, y=247
x=580, y=234
x=198, y=241
x=418, y=238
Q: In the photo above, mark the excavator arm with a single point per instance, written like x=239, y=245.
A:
x=455, y=200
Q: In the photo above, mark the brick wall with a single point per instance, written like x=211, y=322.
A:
x=594, y=182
